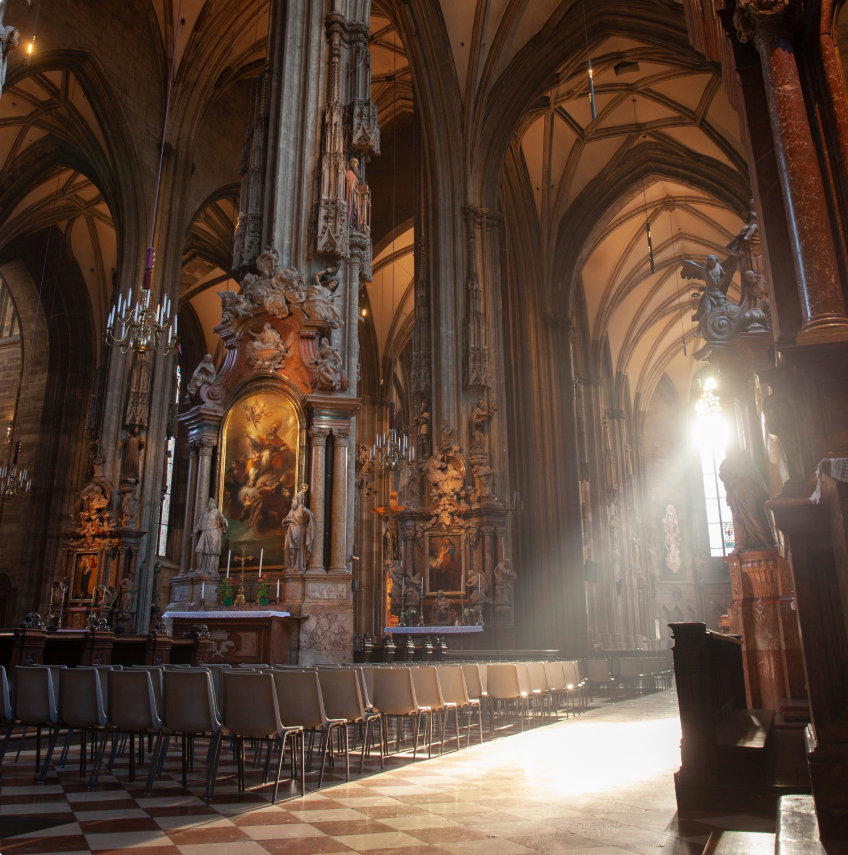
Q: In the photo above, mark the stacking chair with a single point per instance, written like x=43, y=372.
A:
x=394, y=694
x=81, y=707
x=503, y=684
x=342, y=695
x=475, y=685
x=156, y=672
x=557, y=684
x=454, y=690
x=429, y=694
x=132, y=710
x=539, y=685
x=6, y=712
x=250, y=710
x=301, y=704
x=597, y=675
x=190, y=711
x=35, y=706
x=533, y=695
x=631, y=674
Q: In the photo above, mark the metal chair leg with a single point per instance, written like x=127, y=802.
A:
x=51, y=745
x=95, y=772
x=154, y=758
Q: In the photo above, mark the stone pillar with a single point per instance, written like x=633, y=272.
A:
x=185, y=562
x=771, y=28
x=338, y=538
x=318, y=441
x=205, y=449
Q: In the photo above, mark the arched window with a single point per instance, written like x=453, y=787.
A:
x=169, y=477
x=711, y=437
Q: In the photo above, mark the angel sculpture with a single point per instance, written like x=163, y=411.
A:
x=716, y=278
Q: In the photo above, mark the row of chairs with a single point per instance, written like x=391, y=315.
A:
x=276, y=708
x=629, y=675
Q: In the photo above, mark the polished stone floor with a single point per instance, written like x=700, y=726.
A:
x=600, y=783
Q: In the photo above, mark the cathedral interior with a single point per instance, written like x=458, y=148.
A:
x=372, y=331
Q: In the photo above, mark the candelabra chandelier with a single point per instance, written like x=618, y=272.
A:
x=391, y=451
x=139, y=328
x=14, y=482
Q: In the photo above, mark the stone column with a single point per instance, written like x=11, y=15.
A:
x=771, y=26
x=205, y=450
x=318, y=440
x=338, y=538
x=185, y=562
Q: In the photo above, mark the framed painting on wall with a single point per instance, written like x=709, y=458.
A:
x=446, y=561
x=86, y=567
x=259, y=469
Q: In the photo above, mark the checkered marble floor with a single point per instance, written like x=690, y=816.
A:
x=599, y=783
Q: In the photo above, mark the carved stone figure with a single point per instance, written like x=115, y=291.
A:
x=128, y=591
x=328, y=366
x=204, y=373
x=422, y=423
x=91, y=510
x=444, y=478
x=479, y=585
x=8, y=42
x=478, y=426
x=441, y=610
x=299, y=526
x=129, y=505
x=233, y=307
x=319, y=299
x=746, y=494
x=354, y=202
x=57, y=600
x=504, y=578
x=414, y=590
x=635, y=548
x=398, y=592
x=132, y=445
x=483, y=481
x=267, y=351
x=107, y=599
x=211, y=525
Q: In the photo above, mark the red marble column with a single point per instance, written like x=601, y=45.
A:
x=770, y=26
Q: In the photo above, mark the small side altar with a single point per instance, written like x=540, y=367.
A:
x=243, y=636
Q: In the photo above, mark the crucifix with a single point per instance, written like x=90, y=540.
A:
x=242, y=559
x=389, y=512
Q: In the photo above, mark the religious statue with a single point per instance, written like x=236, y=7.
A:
x=129, y=504
x=390, y=512
x=354, y=202
x=328, y=366
x=747, y=495
x=127, y=593
x=478, y=427
x=133, y=444
x=398, y=592
x=267, y=351
x=319, y=299
x=107, y=599
x=204, y=373
x=8, y=42
x=479, y=585
x=233, y=306
x=212, y=526
x=422, y=423
x=635, y=548
x=441, y=610
x=483, y=481
x=414, y=590
x=57, y=600
x=504, y=578
x=299, y=533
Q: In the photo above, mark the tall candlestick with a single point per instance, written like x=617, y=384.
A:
x=261, y=553
x=202, y=592
x=229, y=556
x=278, y=590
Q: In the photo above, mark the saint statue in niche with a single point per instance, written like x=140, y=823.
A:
x=132, y=446
x=319, y=298
x=211, y=526
x=204, y=373
x=354, y=202
x=299, y=533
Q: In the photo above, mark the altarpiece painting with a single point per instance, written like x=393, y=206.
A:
x=446, y=562
x=259, y=465
x=85, y=576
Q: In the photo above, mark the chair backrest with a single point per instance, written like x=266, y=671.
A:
x=341, y=693
x=35, y=700
x=250, y=704
x=394, y=691
x=555, y=676
x=253, y=665
x=5, y=696
x=81, y=698
x=299, y=699
x=630, y=669
x=367, y=672
x=156, y=672
x=570, y=673
x=55, y=670
x=133, y=702
x=452, y=685
x=190, y=702
x=597, y=670
x=581, y=670
x=428, y=693
x=503, y=681
x=538, y=678
x=473, y=683
x=524, y=677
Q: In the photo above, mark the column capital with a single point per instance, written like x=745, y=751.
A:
x=205, y=445
x=759, y=21
x=341, y=433
x=319, y=435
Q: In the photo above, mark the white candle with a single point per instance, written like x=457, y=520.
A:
x=175, y=326
x=278, y=590
x=202, y=591
x=261, y=553
x=229, y=556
